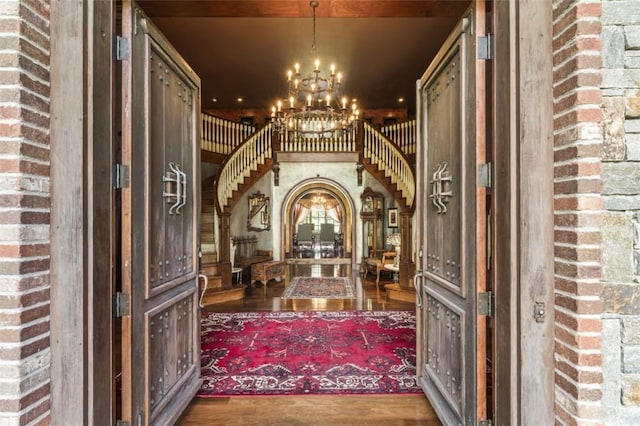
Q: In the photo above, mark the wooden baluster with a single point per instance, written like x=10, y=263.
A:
x=203, y=132
x=206, y=132
x=217, y=138
x=205, y=142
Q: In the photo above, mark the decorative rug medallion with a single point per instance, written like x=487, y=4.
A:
x=319, y=287
x=298, y=353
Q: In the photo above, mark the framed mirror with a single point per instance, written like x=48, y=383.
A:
x=259, y=218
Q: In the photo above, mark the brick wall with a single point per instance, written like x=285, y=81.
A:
x=621, y=217
x=578, y=211
x=24, y=212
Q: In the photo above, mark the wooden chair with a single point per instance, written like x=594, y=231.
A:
x=388, y=257
x=305, y=236
x=236, y=272
x=327, y=238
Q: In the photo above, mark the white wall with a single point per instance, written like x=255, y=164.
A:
x=343, y=175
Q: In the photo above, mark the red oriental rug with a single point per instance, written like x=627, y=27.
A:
x=319, y=287
x=302, y=353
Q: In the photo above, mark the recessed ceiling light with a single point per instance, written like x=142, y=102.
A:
x=214, y=100
x=401, y=100
x=240, y=99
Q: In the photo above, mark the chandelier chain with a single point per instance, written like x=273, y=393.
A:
x=314, y=107
x=314, y=4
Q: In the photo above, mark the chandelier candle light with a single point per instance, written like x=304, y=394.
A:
x=314, y=107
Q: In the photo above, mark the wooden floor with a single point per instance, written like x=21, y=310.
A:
x=315, y=409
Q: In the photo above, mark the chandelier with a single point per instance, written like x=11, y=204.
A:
x=315, y=106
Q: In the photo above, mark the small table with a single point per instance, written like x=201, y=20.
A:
x=265, y=271
x=395, y=269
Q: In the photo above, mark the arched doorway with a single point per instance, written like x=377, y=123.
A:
x=318, y=202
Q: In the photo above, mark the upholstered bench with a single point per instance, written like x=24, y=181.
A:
x=265, y=271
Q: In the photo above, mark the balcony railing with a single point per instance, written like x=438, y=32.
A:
x=329, y=141
x=222, y=136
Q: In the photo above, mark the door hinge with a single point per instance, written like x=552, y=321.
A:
x=486, y=422
x=485, y=304
x=121, y=48
x=485, y=175
x=485, y=47
x=120, y=176
x=121, y=304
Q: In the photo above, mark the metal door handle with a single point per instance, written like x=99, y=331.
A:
x=176, y=206
x=168, y=179
x=179, y=198
x=183, y=191
x=204, y=288
x=418, y=288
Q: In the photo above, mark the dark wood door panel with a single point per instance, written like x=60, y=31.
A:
x=444, y=212
x=160, y=344
x=451, y=229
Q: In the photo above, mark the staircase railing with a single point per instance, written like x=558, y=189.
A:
x=256, y=150
x=222, y=136
x=389, y=159
x=403, y=135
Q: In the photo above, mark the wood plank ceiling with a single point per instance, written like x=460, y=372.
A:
x=243, y=48
x=301, y=8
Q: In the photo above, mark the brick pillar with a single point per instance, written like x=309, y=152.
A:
x=578, y=211
x=24, y=212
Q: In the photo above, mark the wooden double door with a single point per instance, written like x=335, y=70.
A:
x=160, y=318
x=452, y=232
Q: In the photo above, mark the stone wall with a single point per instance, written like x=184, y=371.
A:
x=621, y=217
x=24, y=212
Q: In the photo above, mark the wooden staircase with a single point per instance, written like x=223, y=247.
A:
x=383, y=158
x=215, y=292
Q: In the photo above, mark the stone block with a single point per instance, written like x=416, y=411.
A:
x=636, y=246
x=632, y=103
x=632, y=59
x=612, y=91
x=631, y=359
x=631, y=389
x=624, y=12
x=632, y=125
x=622, y=299
x=611, y=366
x=630, y=331
x=617, y=247
x=633, y=147
x=613, y=147
x=621, y=202
x=613, y=43
x=620, y=178
x=632, y=36
x=620, y=77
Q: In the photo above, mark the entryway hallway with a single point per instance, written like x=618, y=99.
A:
x=313, y=409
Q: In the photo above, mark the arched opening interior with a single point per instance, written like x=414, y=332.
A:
x=317, y=218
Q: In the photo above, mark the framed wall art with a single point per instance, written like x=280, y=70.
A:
x=392, y=218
